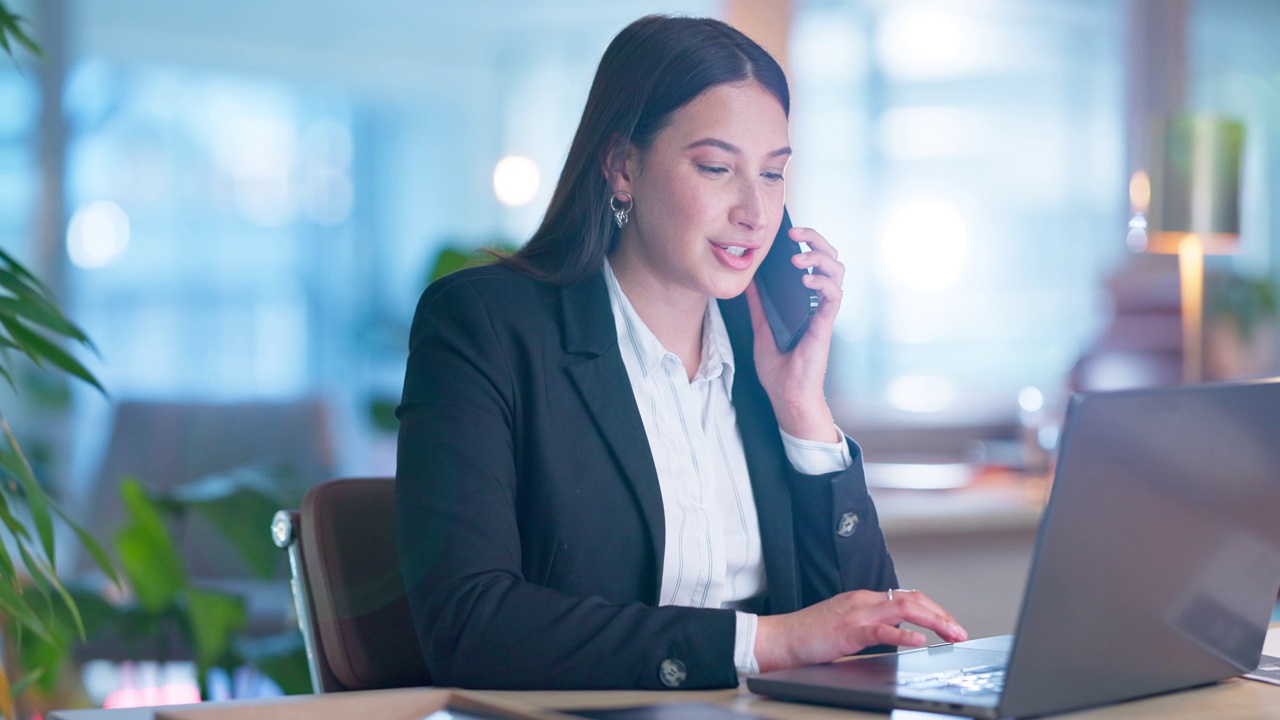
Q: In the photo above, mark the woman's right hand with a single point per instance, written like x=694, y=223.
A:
x=847, y=623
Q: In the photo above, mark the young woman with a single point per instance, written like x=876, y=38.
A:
x=608, y=475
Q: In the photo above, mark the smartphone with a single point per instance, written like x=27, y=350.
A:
x=788, y=303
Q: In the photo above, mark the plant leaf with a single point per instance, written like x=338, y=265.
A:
x=91, y=546
x=45, y=315
x=40, y=580
x=16, y=606
x=148, y=556
x=12, y=524
x=46, y=579
x=34, y=298
x=37, y=501
x=22, y=284
x=214, y=619
x=37, y=347
x=16, y=267
x=46, y=660
x=10, y=25
x=7, y=568
x=239, y=504
x=28, y=43
x=27, y=681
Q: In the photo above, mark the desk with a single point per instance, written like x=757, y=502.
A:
x=1230, y=700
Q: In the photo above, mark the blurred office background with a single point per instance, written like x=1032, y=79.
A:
x=251, y=194
x=240, y=201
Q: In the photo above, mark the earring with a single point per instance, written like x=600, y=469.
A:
x=621, y=203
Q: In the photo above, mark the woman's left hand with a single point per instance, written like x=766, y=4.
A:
x=794, y=380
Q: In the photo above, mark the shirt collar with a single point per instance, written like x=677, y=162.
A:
x=717, y=353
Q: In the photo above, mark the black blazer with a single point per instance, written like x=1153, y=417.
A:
x=529, y=515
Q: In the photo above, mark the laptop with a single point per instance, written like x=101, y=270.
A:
x=1156, y=568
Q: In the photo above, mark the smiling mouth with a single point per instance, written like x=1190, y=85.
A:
x=734, y=250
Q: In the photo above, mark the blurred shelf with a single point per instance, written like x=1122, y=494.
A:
x=993, y=500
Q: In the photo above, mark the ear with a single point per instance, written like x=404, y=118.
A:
x=620, y=163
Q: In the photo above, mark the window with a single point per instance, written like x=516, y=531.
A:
x=967, y=158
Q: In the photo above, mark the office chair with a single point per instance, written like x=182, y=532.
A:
x=347, y=587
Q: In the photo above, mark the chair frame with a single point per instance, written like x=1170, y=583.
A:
x=352, y=607
x=286, y=527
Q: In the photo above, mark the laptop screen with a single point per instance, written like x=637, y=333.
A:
x=1158, y=559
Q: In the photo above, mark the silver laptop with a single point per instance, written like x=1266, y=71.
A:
x=1156, y=568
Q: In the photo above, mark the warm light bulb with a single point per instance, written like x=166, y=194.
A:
x=1140, y=191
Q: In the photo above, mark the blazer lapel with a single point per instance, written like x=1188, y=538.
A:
x=595, y=366
x=766, y=461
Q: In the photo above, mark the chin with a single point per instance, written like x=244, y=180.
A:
x=727, y=291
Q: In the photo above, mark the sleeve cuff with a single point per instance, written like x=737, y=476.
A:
x=817, y=458
x=744, y=644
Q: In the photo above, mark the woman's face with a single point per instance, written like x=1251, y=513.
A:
x=708, y=195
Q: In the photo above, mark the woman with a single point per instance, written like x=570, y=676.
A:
x=608, y=475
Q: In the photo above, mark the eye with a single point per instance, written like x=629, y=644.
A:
x=773, y=176
x=712, y=169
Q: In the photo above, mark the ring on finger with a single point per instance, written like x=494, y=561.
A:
x=900, y=590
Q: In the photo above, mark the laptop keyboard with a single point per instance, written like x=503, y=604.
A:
x=979, y=680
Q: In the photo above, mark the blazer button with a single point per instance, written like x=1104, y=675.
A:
x=672, y=673
x=848, y=523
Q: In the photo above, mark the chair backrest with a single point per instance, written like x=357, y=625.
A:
x=348, y=591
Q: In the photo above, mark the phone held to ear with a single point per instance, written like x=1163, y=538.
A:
x=788, y=303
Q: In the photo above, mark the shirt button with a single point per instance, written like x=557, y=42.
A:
x=672, y=673
x=848, y=523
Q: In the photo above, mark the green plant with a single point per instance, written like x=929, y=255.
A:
x=11, y=27
x=459, y=254
x=32, y=597
x=239, y=504
x=1246, y=301
x=167, y=613
x=30, y=324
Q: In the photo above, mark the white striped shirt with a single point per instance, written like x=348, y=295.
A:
x=712, y=552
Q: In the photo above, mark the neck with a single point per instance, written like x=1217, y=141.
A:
x=674, y=315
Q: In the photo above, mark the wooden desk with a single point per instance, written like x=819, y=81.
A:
x=1230, y=700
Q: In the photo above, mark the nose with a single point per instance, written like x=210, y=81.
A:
x=748, y=211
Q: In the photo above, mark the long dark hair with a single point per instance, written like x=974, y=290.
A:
x=655, y=66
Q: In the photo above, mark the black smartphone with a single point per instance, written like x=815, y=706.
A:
x=788, y=302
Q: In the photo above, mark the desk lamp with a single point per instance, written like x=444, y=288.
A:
x=1195, y=210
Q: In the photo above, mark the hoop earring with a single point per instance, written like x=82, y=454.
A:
x=621, y=207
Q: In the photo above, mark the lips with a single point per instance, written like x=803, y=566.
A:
x=737, y=257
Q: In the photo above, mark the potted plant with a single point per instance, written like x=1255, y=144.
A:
x=1242, y=331
x=31, y=327
x=168, y=614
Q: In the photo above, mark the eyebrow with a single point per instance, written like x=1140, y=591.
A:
x=727, y=147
